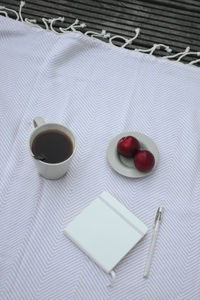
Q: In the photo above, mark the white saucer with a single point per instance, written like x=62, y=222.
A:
x=125, y=166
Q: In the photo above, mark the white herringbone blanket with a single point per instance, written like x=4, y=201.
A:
x=99, y=91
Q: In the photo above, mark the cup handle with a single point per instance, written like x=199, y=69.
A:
x=38, y=121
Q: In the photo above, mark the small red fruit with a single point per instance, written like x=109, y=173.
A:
x=128, y=146
x=144, y=160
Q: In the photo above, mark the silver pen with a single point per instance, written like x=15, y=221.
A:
x=153, y=240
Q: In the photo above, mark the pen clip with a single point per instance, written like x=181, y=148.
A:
x=158, y=215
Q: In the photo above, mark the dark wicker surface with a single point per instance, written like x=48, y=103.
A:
x=175, y=23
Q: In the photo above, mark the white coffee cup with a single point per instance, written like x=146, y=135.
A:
x=51, y=170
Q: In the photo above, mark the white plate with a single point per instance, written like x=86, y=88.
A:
x=125, y=166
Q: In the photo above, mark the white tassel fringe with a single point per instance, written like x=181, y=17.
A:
x=49, y=24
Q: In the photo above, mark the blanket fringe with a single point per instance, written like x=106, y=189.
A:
x=155, y=47
x=49, y=25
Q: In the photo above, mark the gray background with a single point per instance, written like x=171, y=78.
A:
x=175, y=23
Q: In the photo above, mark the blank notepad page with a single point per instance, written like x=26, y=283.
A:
x=102, y=233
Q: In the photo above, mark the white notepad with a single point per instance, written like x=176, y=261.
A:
x=106, y=231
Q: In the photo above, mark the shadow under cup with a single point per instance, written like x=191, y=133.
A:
x=52, y=146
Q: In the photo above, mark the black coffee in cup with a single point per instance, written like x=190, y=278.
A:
x=52, y=146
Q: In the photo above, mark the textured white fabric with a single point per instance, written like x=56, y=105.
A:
x=98, y=91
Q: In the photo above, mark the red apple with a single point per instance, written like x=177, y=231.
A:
x=128, y=146
x=144, y=160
